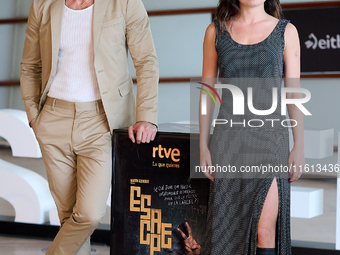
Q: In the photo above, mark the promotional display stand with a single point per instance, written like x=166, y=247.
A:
x=153, y=195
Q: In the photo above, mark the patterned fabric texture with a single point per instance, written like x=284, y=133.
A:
x=236, y=199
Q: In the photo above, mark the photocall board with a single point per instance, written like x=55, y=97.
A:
x=153, y=195
x=319, y=33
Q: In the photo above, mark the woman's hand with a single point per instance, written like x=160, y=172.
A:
x=205, y=162
x=296, y=163
x=192, y=247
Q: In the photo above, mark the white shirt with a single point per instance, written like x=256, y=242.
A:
x=76, y=80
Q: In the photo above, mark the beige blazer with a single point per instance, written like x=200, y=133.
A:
x=118, y=26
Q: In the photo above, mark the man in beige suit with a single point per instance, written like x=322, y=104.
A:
x=77, y=88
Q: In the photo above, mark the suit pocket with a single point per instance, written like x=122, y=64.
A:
x=36, y=123
x=112, y=22
x=125, y=87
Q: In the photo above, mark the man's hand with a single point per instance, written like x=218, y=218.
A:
x=145, y=132
x=192, y=247
x=31, y=123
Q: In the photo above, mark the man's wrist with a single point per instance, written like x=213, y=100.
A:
x=154, y=125
x=148, y=122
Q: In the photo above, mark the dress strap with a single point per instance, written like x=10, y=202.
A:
x=219, y=31
x=280, y=31
x=217, y=26
x=282, y=25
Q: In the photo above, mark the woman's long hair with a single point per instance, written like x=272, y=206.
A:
x=230, y=8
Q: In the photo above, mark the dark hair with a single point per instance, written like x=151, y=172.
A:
x=230, y=8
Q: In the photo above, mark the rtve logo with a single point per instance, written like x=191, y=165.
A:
x=323, y=44
x=172, y=153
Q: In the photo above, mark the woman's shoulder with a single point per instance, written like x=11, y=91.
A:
x=211, y=29
x=290, y=28
x=210, y=32
x=291, y=32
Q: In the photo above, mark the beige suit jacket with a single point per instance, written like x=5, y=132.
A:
x=118, y=26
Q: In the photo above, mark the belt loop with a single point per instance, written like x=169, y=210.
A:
x=54, y=102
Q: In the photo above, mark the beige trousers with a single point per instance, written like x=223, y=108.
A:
x=75, y=142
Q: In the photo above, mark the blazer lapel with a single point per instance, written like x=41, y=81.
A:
x=57, y=8
x=98, y=17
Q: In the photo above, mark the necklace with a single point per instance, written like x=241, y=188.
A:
x=79, y=6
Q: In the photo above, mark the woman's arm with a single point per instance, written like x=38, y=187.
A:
x=209, y=75
x=292, y=79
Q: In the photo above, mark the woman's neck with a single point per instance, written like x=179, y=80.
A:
x=251, y=14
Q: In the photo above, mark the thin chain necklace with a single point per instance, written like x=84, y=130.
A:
x=77, y=7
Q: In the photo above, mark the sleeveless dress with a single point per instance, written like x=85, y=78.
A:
x=236, y=199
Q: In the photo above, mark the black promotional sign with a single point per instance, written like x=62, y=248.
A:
x=319, y=32
x=153, y=195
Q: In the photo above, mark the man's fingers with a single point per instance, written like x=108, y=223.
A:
x=131, y=134
x=148, y=136
x=189, y=229
x=153, y=135
x=139, y=134
x=145, y=135
x=182, y=233
x=195, y=246
x=142, y=132
x=31, y=124
x=187, y=248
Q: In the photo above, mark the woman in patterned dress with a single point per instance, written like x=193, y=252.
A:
x=248, y=39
